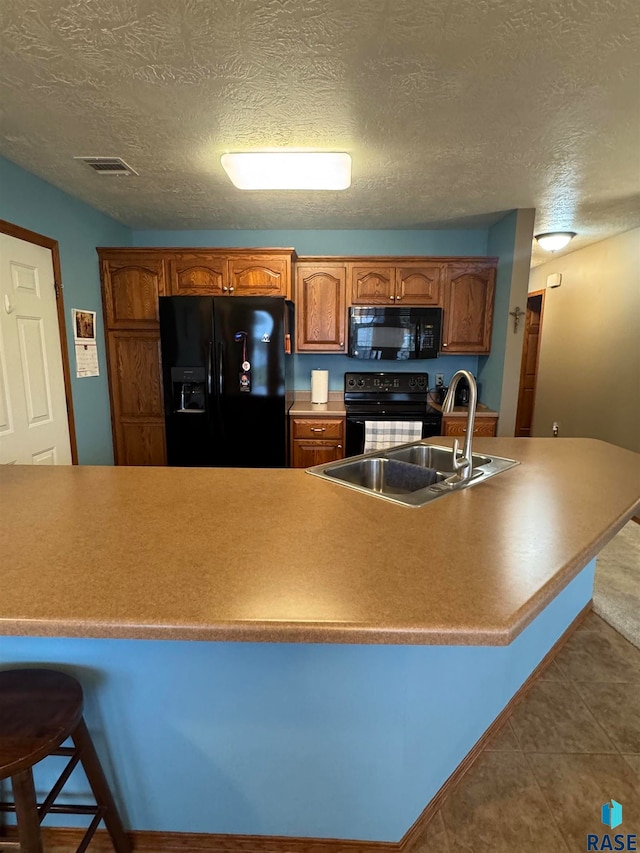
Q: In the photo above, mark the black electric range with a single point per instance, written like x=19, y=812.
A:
x=386, y=396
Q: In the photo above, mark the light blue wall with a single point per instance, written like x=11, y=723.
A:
x=464, y=242
x=34, y=204
x=338, y=365
x=502, y=237
x=313, y=740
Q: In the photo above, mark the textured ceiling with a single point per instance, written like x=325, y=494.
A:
x=453, y=110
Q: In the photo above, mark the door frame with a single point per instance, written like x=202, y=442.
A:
x=33, y=237
x=541, y=294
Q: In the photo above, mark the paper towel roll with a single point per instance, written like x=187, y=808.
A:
x=319, y=386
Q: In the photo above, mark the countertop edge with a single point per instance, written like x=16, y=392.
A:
x=568, y=573
x=327, y=633
x=254, y=633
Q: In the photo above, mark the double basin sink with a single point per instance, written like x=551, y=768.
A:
x=410, y=474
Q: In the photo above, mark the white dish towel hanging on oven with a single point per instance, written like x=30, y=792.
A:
x=381, y=434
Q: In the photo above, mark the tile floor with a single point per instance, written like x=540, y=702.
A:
x=571, y=744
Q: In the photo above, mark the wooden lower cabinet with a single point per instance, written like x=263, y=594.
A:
x=316, y=440
x=141, y=443
x=137, y=408
x=457, y=425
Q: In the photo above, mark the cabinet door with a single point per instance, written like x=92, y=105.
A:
x=137, y=408
x=141, y=444
x=131, y=286
x=469, y=291
x=372, y=285
x=260, y=275
x=198, y=274
x=418, y=284
x=320, y=298
x=314, y=452
x=458, y=426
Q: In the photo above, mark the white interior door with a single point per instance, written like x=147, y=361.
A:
x=34, y=428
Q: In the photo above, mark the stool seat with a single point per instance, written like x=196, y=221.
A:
x=39, y=708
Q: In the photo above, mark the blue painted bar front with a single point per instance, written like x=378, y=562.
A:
x=316, y=740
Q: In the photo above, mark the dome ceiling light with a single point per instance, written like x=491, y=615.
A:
x=288, y=170
x=554, y=240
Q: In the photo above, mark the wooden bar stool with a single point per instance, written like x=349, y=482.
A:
x=39, y=710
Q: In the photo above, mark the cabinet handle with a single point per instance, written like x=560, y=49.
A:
x=224, y=287
x=392, y=298
x=231, y=289
x=341, y=343
x=339, y=447
x=318, y=429
x=445, y=345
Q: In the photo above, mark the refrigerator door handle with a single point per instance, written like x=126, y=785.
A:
x=210, y=369
x=220, y=368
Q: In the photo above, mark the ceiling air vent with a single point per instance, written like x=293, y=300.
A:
x=108, y=165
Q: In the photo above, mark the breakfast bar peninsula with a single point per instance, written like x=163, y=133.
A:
x=269, y=654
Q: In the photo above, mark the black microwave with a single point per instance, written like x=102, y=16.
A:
x=394, y=334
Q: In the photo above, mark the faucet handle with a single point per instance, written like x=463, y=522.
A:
x=458, y=464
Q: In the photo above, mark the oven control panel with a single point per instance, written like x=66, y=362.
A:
x=404, y=383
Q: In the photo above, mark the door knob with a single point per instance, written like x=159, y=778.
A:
x=8, y=307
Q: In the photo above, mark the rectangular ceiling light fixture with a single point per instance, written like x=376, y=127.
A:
x=288, y=170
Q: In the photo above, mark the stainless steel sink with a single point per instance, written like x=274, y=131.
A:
x=383, y=476
x=428, y=456
x=411, y=474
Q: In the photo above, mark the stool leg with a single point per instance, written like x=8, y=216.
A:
x=100, y=787
x=24, y=797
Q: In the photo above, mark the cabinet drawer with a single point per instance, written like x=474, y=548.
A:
x=318, y=428
x=305, y=453
x=458, y=426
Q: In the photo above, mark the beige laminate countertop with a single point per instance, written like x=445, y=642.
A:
x=278, y=555
x=305, y=409
x=462, y=411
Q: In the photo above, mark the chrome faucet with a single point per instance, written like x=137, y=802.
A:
x=462, y=465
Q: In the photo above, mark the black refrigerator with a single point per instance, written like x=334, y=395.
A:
x=226, y=379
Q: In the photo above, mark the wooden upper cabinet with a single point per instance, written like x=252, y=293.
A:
x=469, y=291
x=372, y=285
x=198, y=274
x=132, y=283
x=320, y=297
x=410, y=283
x=418, y=284
x=260, y=275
